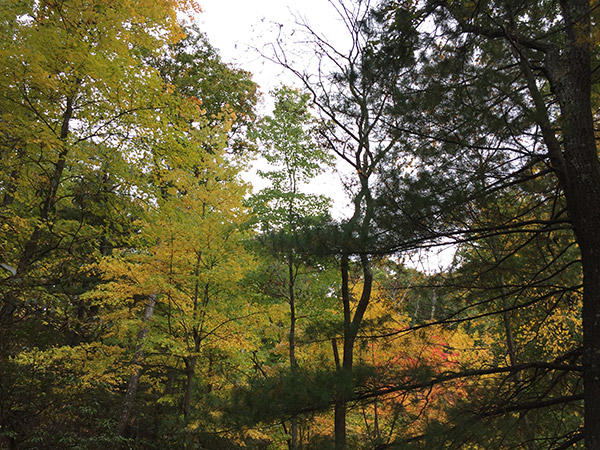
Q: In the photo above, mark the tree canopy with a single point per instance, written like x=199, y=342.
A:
x=150, y=297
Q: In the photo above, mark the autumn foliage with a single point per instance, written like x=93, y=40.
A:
x=151, y=298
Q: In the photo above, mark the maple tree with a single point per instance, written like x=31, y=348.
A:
x=87, y=158
x=71, y=115
x=190, y=259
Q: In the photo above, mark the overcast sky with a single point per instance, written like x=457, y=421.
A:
x=237, y=27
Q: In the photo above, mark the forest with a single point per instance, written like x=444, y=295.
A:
x=154, y=295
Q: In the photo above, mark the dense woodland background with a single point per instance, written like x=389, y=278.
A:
x=149, y=299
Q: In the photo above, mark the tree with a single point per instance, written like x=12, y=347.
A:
x=517, y=295
x=188, y=263
x=73, y=131
x=287, y=141
x=502, y=94
x=196, y=71
x=93, y=134
x=348, y=93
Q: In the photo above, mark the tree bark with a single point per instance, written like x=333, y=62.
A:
x=293, y=444
x=340, y=423
x=526, y=431
x=190, y=370
x=134, y=378
x=570, y=76
x=340, y=400
x=351, y=328
x=506, y=316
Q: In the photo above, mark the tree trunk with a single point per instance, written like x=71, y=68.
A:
x=10, y=300
x=293, y=444
x=11, y=187
x=340, y=423
x=340, y=399
x=506, y=316
x=571, y=82
x=591, y=346
x=526, y=431
x=190, y=370
x=351, y=328
x=190, y=361
x=578, y=170
x=134, y=379
x=339, y=404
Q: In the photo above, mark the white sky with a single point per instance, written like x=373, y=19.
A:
x=239, y=29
